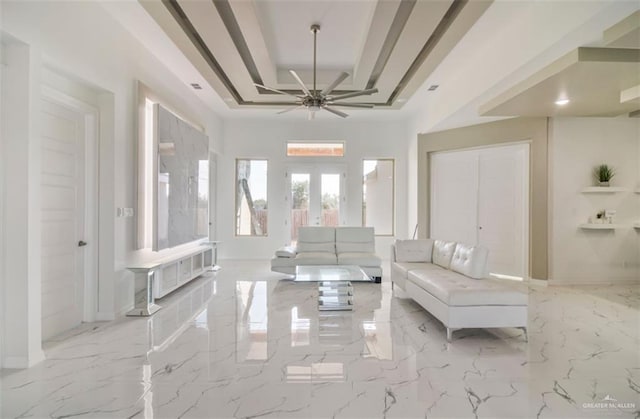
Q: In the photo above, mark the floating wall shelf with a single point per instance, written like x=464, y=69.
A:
x=637, y=190
x=602, y=189
x=636, y=225
x=593, y=226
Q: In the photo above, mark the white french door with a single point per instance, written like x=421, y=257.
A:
x=316, y=197
x=480, y=196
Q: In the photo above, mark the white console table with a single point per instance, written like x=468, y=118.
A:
x=157, y=278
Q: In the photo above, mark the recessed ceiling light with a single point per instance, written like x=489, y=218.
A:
x=562, y=102
x=401, y=100
x=433, y=87
x=196, y=86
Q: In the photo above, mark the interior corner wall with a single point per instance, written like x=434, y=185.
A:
x=266, y=139
x=21, y=236
x=577, y=146
x=532, y=130
x=412, y=177
x=83, y=41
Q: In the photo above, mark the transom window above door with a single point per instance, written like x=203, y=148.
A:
x=315, y=149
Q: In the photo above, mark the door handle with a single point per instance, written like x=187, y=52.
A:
x=82, y=243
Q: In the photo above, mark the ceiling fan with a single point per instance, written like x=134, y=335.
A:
x=314, y=100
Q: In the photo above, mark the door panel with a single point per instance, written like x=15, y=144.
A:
x=454, y=198
x=62, y=211
x=501, y=208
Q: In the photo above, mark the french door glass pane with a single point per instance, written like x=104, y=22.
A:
x=299, y=203
x=330, y=190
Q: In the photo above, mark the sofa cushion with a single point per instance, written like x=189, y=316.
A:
x=470, y=260
x=355, y=239
x=359, y=259
x=404, y=267
x=315, y=258
x=454, y=289
x=286, y=252
x=316, y=239
x=414, y=250
x=442, y=253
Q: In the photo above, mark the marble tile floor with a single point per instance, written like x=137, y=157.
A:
x=243, y=343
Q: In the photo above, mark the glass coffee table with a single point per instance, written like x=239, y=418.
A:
x=335, y=289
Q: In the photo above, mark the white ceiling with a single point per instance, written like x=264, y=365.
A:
x=285, y=27
x=483, y=54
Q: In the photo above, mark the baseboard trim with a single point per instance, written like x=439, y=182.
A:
x=22, y=362
x=619, y=281
x=105, y=316
x=538, y=282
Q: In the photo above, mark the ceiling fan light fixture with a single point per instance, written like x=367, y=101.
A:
x=314, y=100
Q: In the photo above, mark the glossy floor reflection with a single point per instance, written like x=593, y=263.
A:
x=242, y=343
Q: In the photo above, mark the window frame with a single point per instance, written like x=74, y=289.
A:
x=235, y=191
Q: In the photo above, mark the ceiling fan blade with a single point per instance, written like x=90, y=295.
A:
x=293, y=108
x=335, y=111
x=299, y=80
x=333, y=85
x=354, y=94
x=352, y=105
x=275, y=90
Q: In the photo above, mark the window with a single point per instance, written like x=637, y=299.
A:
x=251, y=197
x=301, y=149
x=378, y=196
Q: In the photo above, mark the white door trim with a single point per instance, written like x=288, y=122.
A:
x=92, y=121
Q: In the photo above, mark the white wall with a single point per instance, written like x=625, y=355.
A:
x=412, y=176
x=84, y=42
x=576, y=146
x=267, y=139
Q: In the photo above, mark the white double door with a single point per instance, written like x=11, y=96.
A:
x=480, y=196
x=316, y=197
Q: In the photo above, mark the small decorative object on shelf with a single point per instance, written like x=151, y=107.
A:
x=603, y=174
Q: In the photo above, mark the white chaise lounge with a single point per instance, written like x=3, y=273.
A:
x=331, y=246
x=450, y=281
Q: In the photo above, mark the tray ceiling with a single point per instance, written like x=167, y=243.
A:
x=392, y=45
x=596, y=81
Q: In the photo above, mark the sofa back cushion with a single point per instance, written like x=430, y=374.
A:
x=443, y=252
x=414, y=250
x=355, y=240
x=316, y=239
x=470, y=261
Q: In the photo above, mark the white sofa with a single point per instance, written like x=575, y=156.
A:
x=450, y=281
x=331, y=246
